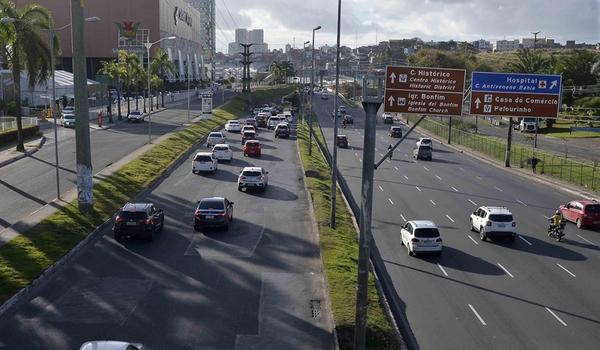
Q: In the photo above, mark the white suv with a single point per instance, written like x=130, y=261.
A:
x=425, y=141
x=253, y=177
x=233, y=126
x=215, y=138
x=421, y=236
x=222, y=151
x=494, y=222
x=204, y=161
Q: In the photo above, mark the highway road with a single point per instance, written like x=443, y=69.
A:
x=535, y=293
x=30, y=183
x=248, y=288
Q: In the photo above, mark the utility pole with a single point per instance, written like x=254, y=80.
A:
x=537, y=124
x=371, y=105
x=449, y=130
x=335, y=123
x=311, y=92
x=302, y=88
x=85, y=197
x=246, y=72
x=535, y=34
x=508, y=143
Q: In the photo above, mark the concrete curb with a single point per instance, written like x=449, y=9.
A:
x=315, y=229
x=25, y=154
x=23, y=295
x=567, y=187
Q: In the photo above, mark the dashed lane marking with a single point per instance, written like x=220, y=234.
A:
x=449, y=218
x=585, y=239
x=380, y=188
x=454, y=188
x=474, y=241
x=505, y=270
x=392, y=203
x=442, y=268
x=556, y=316
x=475, y=204
x=524, y=240
x=477, y=314
x=432, y=202
x=418, y=188
x=564, y=268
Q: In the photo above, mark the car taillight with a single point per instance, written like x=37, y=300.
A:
x=514, y=224
x=414, y=240
x=438, y=240
x=119, y=220
x=261, y=178
x=197, y=213
x=147, y=221
x=489, y=223
x=242, y=178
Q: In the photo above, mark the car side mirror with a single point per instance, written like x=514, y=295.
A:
x=474, y=213
x=232, y=203
x=266, y=172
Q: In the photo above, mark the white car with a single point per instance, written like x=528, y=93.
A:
x=253, y=177
x=273, y=121
x=249, y=128
x=233, y=126
x=67, y=110
x=135, y=116
x=204, y=161
x=222, y=151
x=421, y=236
x=67, y=120
x=111, y=345
x=425, y=141
x=494, y=222
x=215, y=138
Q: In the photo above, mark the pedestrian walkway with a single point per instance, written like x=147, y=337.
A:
x=9, y=153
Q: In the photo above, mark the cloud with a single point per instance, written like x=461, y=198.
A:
x=366, y=21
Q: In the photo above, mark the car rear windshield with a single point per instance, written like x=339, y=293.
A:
x=592, y=209
x=203, y=159
x=215, y=134
x=282, y=126
x=501, y=218
x=427, y=232
x=221, y=148
x=133, y=215
x=211, y=204
x=251, y=173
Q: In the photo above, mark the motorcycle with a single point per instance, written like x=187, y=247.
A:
x=557, y=232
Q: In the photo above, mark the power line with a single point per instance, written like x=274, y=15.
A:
x=226, y=8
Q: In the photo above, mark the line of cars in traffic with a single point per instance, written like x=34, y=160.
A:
x=144, y=220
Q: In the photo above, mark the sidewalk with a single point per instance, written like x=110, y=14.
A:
x=9, y=154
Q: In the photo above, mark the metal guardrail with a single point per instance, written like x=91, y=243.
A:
x=386, y=286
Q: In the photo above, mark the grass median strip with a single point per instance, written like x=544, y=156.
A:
x=27, y=256
x=340, y=254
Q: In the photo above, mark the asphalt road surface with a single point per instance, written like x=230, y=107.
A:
x=30, y=183
x=535, y=293
x=254, y=286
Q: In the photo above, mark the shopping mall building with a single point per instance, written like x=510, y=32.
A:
x=128, y=24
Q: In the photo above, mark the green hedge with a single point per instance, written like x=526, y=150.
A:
x=9, y=136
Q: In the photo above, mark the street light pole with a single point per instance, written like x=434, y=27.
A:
x=302, y=85
x=148, y=45
x=311, y=92
x=188, y=87
x=52, y=106
x=335, y=122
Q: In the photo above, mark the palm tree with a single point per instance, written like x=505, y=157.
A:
x=113, y=71
x=276, y=70
x=130, y=63
x=161, y=65
x=530, y=61
x=155, y=83
x=29, y=49
x=579, y=68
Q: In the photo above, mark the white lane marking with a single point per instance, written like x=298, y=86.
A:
x=520, y=201
x=555, y=316
x=569, y=272
x=454, y=188
x=476, y=314
x=360, y=160
x=479, y=177
x=588, y=241
x=380, y=188
x=499, y=189
x=547, y=217
x=418, y=188
x=426, y=169
x=432, y=202
x=475, y=204
x=381, y=154
x=406, y=177
x=439, y=178
x=392, y=203
x=474, y=241
x=402, y=216
x=449, y=218
x=356, y=154
x=442, y=268
x=524, y=240
x=376, y=150
x=396, y=168
x=387, y=160
x=461, y=168
x=505, y=270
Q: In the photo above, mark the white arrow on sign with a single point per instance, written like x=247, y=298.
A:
x=477, y=103
x=391, y=100
x=553, y=84
x=393, y=77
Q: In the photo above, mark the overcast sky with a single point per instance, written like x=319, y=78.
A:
x=364, y=22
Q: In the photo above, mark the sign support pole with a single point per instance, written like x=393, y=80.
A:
x=508, y=143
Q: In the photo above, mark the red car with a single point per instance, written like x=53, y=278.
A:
x=252, y=147
x=582, y=212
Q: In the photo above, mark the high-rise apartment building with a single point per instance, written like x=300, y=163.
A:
x=244, y=36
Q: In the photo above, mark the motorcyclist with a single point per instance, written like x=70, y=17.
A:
x=390, y=151
x=555, y=220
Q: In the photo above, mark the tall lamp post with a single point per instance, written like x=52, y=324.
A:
x=311, y=92
x=51, y=33
x=335, y=122
x=302, y=81
x=148, y=45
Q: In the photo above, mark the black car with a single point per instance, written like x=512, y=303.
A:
x=388, y=119
x=138, y=220
x=348, y=119
x=213, y=212
x=282, y=131
x=342, y=141
x=261, y=121
x=396, y=131
x=251, y=121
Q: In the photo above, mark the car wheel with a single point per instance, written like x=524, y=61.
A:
x=438, y=253
x=471, y=224
x=226, y=227
x=410, y=252
x=240, y=188
x=482, y=235
x=512, y=238
x=193, y=171
x=245, y=154
x=196, y=228
x=578, y=223
x=119, y=238
x=150, y=236
x=162, y=225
